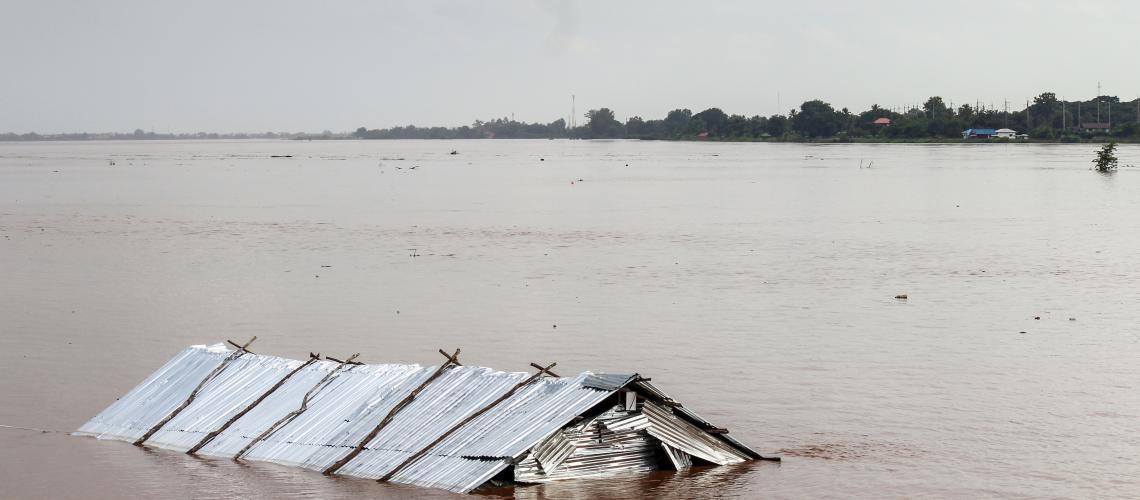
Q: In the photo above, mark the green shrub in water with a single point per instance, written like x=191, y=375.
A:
x=1106, y=158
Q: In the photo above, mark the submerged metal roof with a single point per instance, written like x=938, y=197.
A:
x=249, y=404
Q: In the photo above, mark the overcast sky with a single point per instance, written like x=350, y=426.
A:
x=287, y=65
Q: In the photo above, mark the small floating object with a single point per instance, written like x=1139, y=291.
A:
x=453, y=152
x=1037, y=317
x=542, y=159
x=901, y=296
x=1072, y=318
x=280, y=156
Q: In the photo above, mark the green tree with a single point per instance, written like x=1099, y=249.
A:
x=816, y=119
x=739, y=126
x=602, y=124
x=966, y=113
x=1105, y=160
x=557, y=127
x=676, y=122
x=1046, y=110
x=696, y=126
x=635, y=127
x=1042, y=131
x=934, y=107
x=777, y=126
x=715, y=120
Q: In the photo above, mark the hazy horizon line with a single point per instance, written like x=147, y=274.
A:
x=349, y=131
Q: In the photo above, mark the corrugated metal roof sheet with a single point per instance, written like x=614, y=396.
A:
x=692, y=417
x=688, y=438
x=343, y=413
x=679, y=459
x=551, y=452
x=609, y=381
x=348, y=401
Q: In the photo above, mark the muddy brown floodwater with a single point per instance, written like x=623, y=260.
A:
x=754, y=282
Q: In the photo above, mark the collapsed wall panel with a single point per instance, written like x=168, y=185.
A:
x=598, y=451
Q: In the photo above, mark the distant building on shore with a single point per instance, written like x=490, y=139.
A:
x=884, y=121
x=1005, y=133
x=978, y=133
x=1096, y=127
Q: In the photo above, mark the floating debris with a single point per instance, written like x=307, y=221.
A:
x=280, y=156
x=450, y=426
x=901, y=296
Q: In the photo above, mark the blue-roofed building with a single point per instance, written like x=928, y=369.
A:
x=978, y=133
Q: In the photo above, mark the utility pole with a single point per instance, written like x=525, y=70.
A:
x=573, y=113
x=1028, y=117
x=1098, y=102
x=1063, y=124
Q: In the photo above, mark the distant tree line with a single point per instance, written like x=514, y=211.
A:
x=1047, y=118
x=501, y=128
